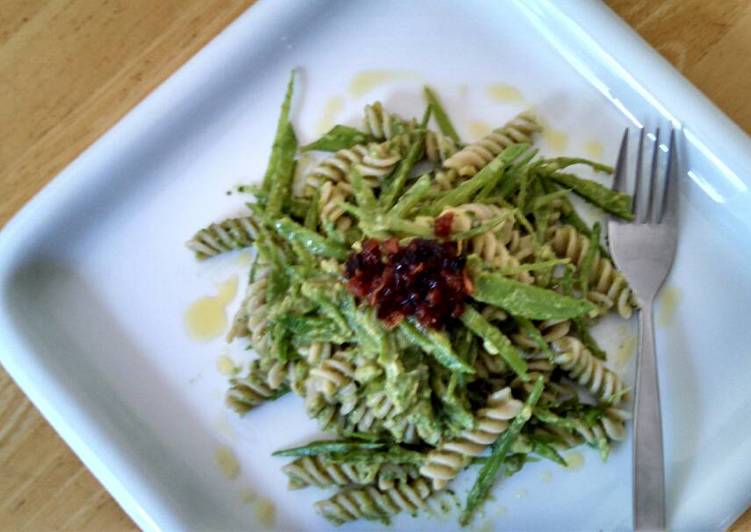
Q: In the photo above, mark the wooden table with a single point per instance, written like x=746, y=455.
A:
x=69, y=69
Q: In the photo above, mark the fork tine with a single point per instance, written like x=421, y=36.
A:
x=645, y=212
x=637, y=174
x=657, y=185
x=670, y=194
x=619, y=175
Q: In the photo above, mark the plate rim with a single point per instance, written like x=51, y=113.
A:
x=74, y=421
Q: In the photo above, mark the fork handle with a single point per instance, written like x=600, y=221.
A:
x=648, y=467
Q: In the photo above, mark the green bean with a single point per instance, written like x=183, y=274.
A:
x=281, y=184
x=558, y=163
x=298, y=207
x=483, y=228
x=402, y=173
x=548, y=451
x=314, y=329
x=319, y=294
x=282, y=345
x=369, y=330
x=411, y=197
x=310, y=240
x=281, y=130
x=587, y=262
x=495, y=342
x=328, y=447
x=526, y=300
x=436, y=344
x=313, y=212
x=533, y=266
x=441, y=118
x=610, y=201
x=339, y=137
x=490, y=173
x=363, y=193
x=534, y=334
x=486, y=477
x=588, y=340
x=393, y=454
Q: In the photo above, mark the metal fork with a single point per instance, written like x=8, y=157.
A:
x=643, y=250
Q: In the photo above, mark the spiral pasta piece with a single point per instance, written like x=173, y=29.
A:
x=445, y=462
x=382, y=125
x=374, y=162
x=587, y=370
x=333, y=374
x=231, y=234
x=372, y=503
x=321, y=472
x=331, y=196
x=551, y=330
x=610, y=426
x=252, y=318
x=439, y=147
x=502, y=247
x=469, y=160
x=607, y=286
x=445, y=179
x=265, y=377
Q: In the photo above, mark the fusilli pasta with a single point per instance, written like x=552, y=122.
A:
x=445, y=462
x=469, y=160
x=231, y=234
x=587, y=370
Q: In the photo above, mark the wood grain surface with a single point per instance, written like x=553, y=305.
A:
x=69, y=69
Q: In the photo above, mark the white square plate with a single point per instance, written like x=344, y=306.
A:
x=94, y=279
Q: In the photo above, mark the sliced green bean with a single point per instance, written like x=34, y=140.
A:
x=487, y=475
x=281, y=130
x=436, y=344
x=403, y=172
x=495, y=342
x=441, y=118
x=312, y=241
x=339, y=137
x=525, y=300
x=610, y=201
x=414, y=195
x=328, y=447
x=491, y=172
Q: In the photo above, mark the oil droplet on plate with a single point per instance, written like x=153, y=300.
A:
x=244, y=259
x=225, y=365
x=367, y=80
x=334, y=105
x=625, y=351
x=206, y=318
x=668, y=300
x=479, y=129
x=227, y=462
x=574, y=461
x=547, y=476
x=594, y=150
x=248, y=496
x=555, y=139
x=503, y=93
x=266, y=512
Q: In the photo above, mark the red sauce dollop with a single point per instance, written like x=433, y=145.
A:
x=425, y=279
